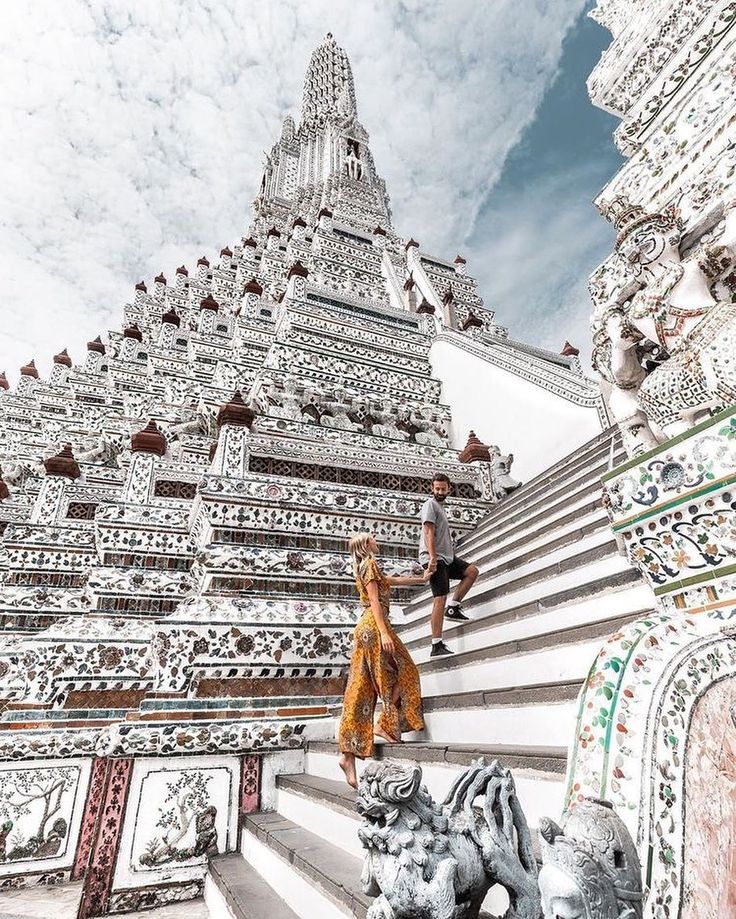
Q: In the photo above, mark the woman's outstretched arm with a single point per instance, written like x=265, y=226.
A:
x=409, y=580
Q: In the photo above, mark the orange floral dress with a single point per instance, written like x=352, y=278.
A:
x=374, y=675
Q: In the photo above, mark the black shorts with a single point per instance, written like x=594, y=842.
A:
x=439, y=583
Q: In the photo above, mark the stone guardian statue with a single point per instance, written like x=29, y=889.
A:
x=438, y=861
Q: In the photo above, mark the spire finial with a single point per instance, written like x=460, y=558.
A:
x=328, y=84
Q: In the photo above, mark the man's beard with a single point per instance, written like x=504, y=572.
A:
x=440, y=498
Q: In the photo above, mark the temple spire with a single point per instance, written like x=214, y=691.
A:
x=328, y=86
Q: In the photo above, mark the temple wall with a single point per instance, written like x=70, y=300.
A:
x=495, y=403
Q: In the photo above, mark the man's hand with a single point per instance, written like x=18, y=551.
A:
x=426, y=575
x=432, y=567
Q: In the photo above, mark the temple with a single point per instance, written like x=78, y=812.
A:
x=177, y=601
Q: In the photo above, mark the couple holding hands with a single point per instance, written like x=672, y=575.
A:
x=381, y=667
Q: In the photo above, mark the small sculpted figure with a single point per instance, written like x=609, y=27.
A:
x=438, y=861
x=338, y=413
x=104, y=449
x=591, y=867
x=503, y=482
x=672, y=304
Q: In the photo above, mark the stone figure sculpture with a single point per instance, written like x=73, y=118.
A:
x=203, y=423
x=104, y=449
x=430, y=861
x=503, y=482
x=337, y=409
x=591, y=867
x=665, y=340
x=15, y=472
x=430, y=431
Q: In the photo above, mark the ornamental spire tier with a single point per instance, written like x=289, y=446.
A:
x=325, y=163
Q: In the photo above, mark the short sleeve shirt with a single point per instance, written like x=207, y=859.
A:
x=434, y=512
x=368, y=571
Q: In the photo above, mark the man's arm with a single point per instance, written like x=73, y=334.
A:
x=429, y=539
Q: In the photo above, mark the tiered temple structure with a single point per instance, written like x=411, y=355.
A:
x=176, y=599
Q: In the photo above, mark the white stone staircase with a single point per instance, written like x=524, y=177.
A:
x=552, y=586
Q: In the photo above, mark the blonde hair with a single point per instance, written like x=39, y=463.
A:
x=359, y=550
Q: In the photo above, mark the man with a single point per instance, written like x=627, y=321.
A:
x=437, y=553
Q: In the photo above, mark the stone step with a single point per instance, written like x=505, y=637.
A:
x=585, y=453
x=529, y=716
x=539, y=773
x=548, y=531
x=588, y=467
x=606, y=597
x=234, y=889
x=315, y=877
x=592, y=459
x=581, y=524
x=572, y=578
x=563, y=656
x=533, y=513
x=550, y=759
x=585, y=515
x=318, y=878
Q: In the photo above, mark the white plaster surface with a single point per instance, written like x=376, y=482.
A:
x=62, y=902
x=285, y=762
x=297, y=891
x=496, y=400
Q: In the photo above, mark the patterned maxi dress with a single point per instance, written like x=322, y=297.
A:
x=373, y=675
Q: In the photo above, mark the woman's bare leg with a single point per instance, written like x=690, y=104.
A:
x=396, y=702
x=347, y=764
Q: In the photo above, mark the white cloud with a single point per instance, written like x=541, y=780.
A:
x=534, y=252
x=131, y=132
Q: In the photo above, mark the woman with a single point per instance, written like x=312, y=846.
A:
x=380, y=666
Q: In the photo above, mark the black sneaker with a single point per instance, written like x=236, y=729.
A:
x=440, y=650
x=456, y=612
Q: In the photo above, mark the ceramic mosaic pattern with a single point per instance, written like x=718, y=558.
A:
x=697, y=461
x=633, y=721
x=676, y=509
x=709, y=865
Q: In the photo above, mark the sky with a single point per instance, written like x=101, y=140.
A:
x=132, y=137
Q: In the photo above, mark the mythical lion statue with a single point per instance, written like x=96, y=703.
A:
x=430, y=861
x=591, y=867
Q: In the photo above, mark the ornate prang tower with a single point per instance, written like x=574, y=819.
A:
x=176, y=600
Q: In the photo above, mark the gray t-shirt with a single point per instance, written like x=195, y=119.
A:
x=434, y=512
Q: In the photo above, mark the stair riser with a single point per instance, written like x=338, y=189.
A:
x=493, y=549
x=545, y=527
x=583, y=577
x=565, y=663
x=330, y=823
x=483, y=594
x=591, y=454
x=216, y=903
x=537, y=514
x=540, y=794
x=528, y=548
x=510, y=510
x=299, y=892
x=588, y=612
x=534, y=725
x=594, y=461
